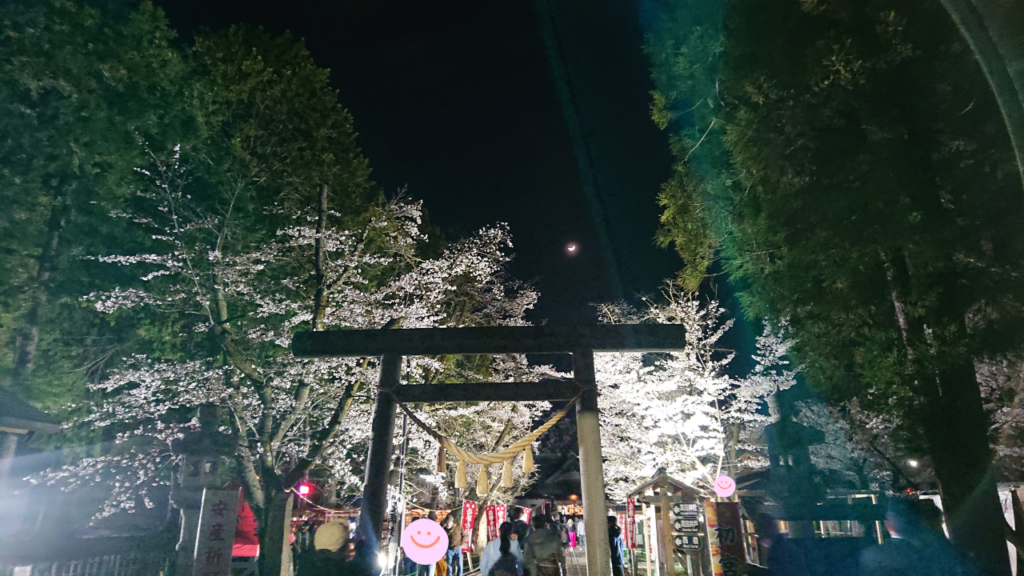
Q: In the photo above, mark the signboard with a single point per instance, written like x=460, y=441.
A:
x=687, y=542
x=527, y=513
x=686, y=525
x=500, y=512
x=468, y=517
x=711, y=517
x=216, y=533
x=630, y=526
x=686, y=517
x=686, y=509
x=491, y=515
x=730, y=538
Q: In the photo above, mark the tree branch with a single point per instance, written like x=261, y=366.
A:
x=323, y=437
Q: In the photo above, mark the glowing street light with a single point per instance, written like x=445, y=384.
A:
x=305, y=489
x=913, y=463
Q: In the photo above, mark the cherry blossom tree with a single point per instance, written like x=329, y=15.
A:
x=682, y=411
x=233, y=302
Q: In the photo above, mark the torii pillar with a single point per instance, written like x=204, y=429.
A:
x=580, y=341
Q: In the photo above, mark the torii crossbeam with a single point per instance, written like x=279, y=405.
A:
x=580, y=341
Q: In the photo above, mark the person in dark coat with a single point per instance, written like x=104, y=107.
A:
x=615, y=545
x=331, y=545
x=556, y=525
x=518, y=526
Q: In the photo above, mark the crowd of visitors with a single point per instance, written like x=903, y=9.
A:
x=332, y=553
x=916, y=545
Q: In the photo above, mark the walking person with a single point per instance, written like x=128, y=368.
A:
x=570, y=524
x=615, y=545
x=502, y=556
x=581, y=532
x=557, y=525
x=453, y=526
x=544, y=554
x=518, y=526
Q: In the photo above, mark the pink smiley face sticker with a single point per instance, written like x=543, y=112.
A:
x=724, y=486
x=424, y=541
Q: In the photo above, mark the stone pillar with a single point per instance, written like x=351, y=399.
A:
x=186, y=549
x=202, y=466
x=588, y=428
x=378, y=461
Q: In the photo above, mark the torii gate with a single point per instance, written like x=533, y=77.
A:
x=580, y=341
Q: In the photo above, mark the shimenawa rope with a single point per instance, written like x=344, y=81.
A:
x=483, y=460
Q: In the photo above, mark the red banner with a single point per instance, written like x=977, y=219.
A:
x=492, y=526
x=500, y=511
x=527, y=512
x=468, y=517
x=630, y=527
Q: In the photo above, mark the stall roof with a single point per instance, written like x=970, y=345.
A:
x=17, y=415
x=663, y=479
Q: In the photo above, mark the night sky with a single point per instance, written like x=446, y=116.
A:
x=457, y=100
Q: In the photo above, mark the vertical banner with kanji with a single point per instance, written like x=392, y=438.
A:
x=468, y=517
x=500, y=512
x=651, y=538
x=492, y=522
x=630, y=527
x=527, y=513
x=714, y=548
x=730, y=538
x=216, y=534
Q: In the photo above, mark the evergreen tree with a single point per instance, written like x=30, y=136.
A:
x=847, y=163
x=78, y=90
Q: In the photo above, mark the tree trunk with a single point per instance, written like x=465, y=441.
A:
x=28, y=339
x=955, y=427
x=275, y=550
x=320, y=297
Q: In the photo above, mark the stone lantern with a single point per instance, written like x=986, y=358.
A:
x=205, y=463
